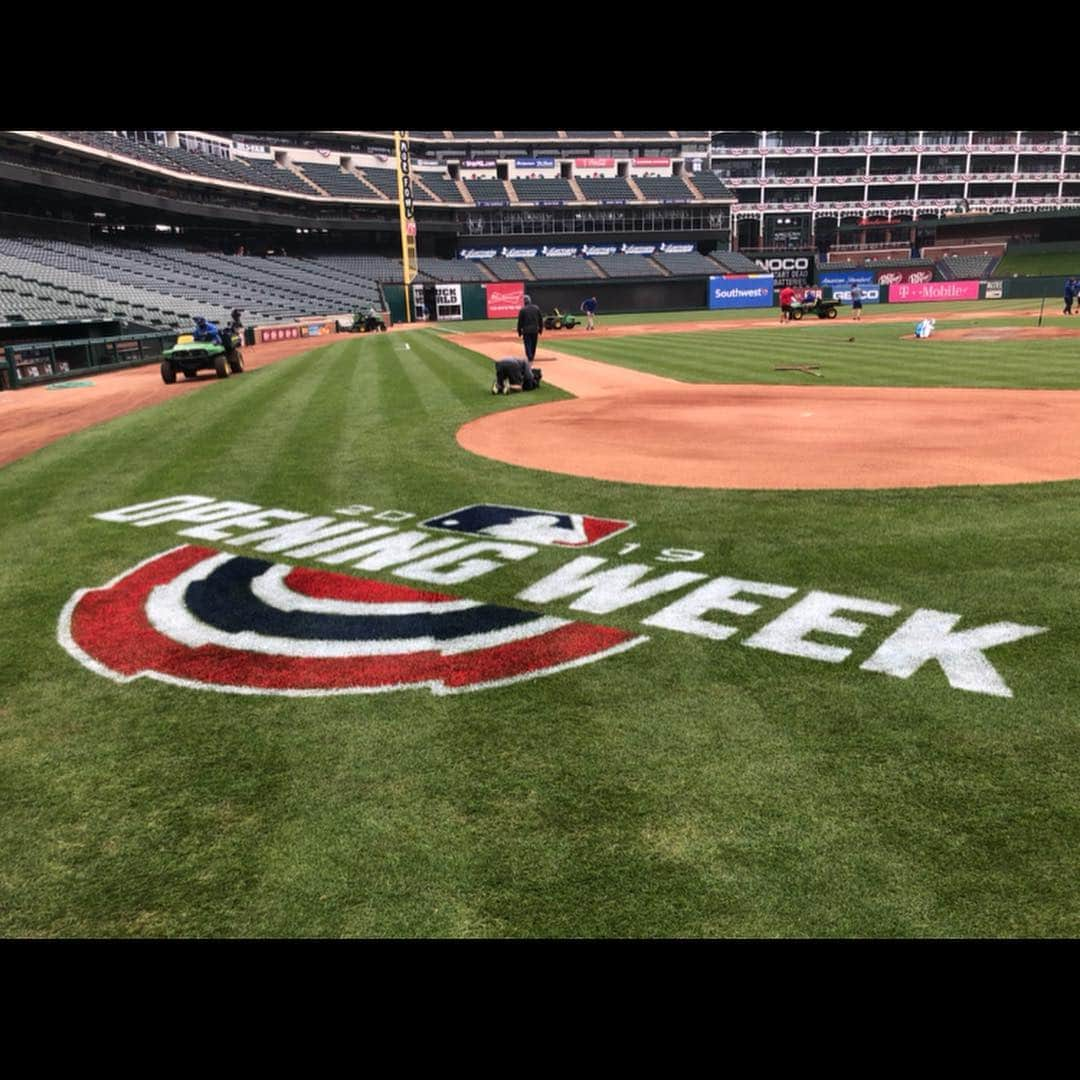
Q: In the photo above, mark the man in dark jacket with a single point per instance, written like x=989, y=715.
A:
x=530, y=327
x=513, y=374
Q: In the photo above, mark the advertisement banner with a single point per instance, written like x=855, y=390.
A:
x=740, y=291
x=938, y=290
x=478, y=163
x=478, y=253
x=504, y=298
x=840, y=281
x=652, y=162
x=518, y=253
x=637, y=249
x=594, y=163
x=448, y=302
x=278, y=333
x=534, y=163
x=898, y=277
x=795, y=269
x=994, y=290
x=678, y=249
x=598, y=249
x=559, y=252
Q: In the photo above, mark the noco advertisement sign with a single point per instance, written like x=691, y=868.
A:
x=741, y=290
x=794, y=268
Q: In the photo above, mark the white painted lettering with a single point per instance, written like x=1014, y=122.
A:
x=342, y=541
x=453, y=567
x=928, y=635
x=680, y=555
x=785, y=634
x=356, y=509
x=280, y=537
x=215, y=511
x=607, y=590
x=157, y=506
x=392, y=550
x=393, y=515
x=219, y=530
x=717, y=595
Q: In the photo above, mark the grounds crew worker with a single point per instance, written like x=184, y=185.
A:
x=530, y=327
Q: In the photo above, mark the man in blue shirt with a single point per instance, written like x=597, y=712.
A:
x=589, y=308
x=206, y=331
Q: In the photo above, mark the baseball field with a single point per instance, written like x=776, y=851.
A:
x=732, y=630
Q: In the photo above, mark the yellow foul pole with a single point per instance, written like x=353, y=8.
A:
x=405, y=215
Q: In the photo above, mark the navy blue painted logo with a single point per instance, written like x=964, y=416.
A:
x=551, y=527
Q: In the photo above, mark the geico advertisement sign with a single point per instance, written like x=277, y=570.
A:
x=870, y=294
x=756, y=291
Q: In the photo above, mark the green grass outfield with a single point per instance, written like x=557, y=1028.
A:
x=687, y=787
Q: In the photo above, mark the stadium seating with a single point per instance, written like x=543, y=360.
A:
x=622, y=266
x=734, y=262
x=441, y=187
x=710, y=185
x=967, y=267
x=504, y=269
x=691, y=263
x=165, y=286
x=384, y=179
x=336, y=182
x=663, y=187
x=452, y=270
x=564, y=269
x=548, y=190
x=606, y=187
x=487, y=191
x=238, y=170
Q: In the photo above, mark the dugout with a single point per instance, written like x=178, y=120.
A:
x=614, y=297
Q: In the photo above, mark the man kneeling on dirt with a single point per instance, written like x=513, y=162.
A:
x=513, y=374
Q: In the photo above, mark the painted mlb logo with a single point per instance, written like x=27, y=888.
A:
x=550, y=527
x=217, y=621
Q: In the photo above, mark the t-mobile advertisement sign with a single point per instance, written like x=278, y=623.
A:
x=735, y=291
x=504, y=300
x=938, y=290
x=841, y=281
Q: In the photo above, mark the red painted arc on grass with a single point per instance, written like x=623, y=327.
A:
x=109, y=630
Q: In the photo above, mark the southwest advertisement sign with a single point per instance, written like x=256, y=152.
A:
x=898, y=277
x=504, y=299
x=739, y=291
x=840, y=281
x=939, y=290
